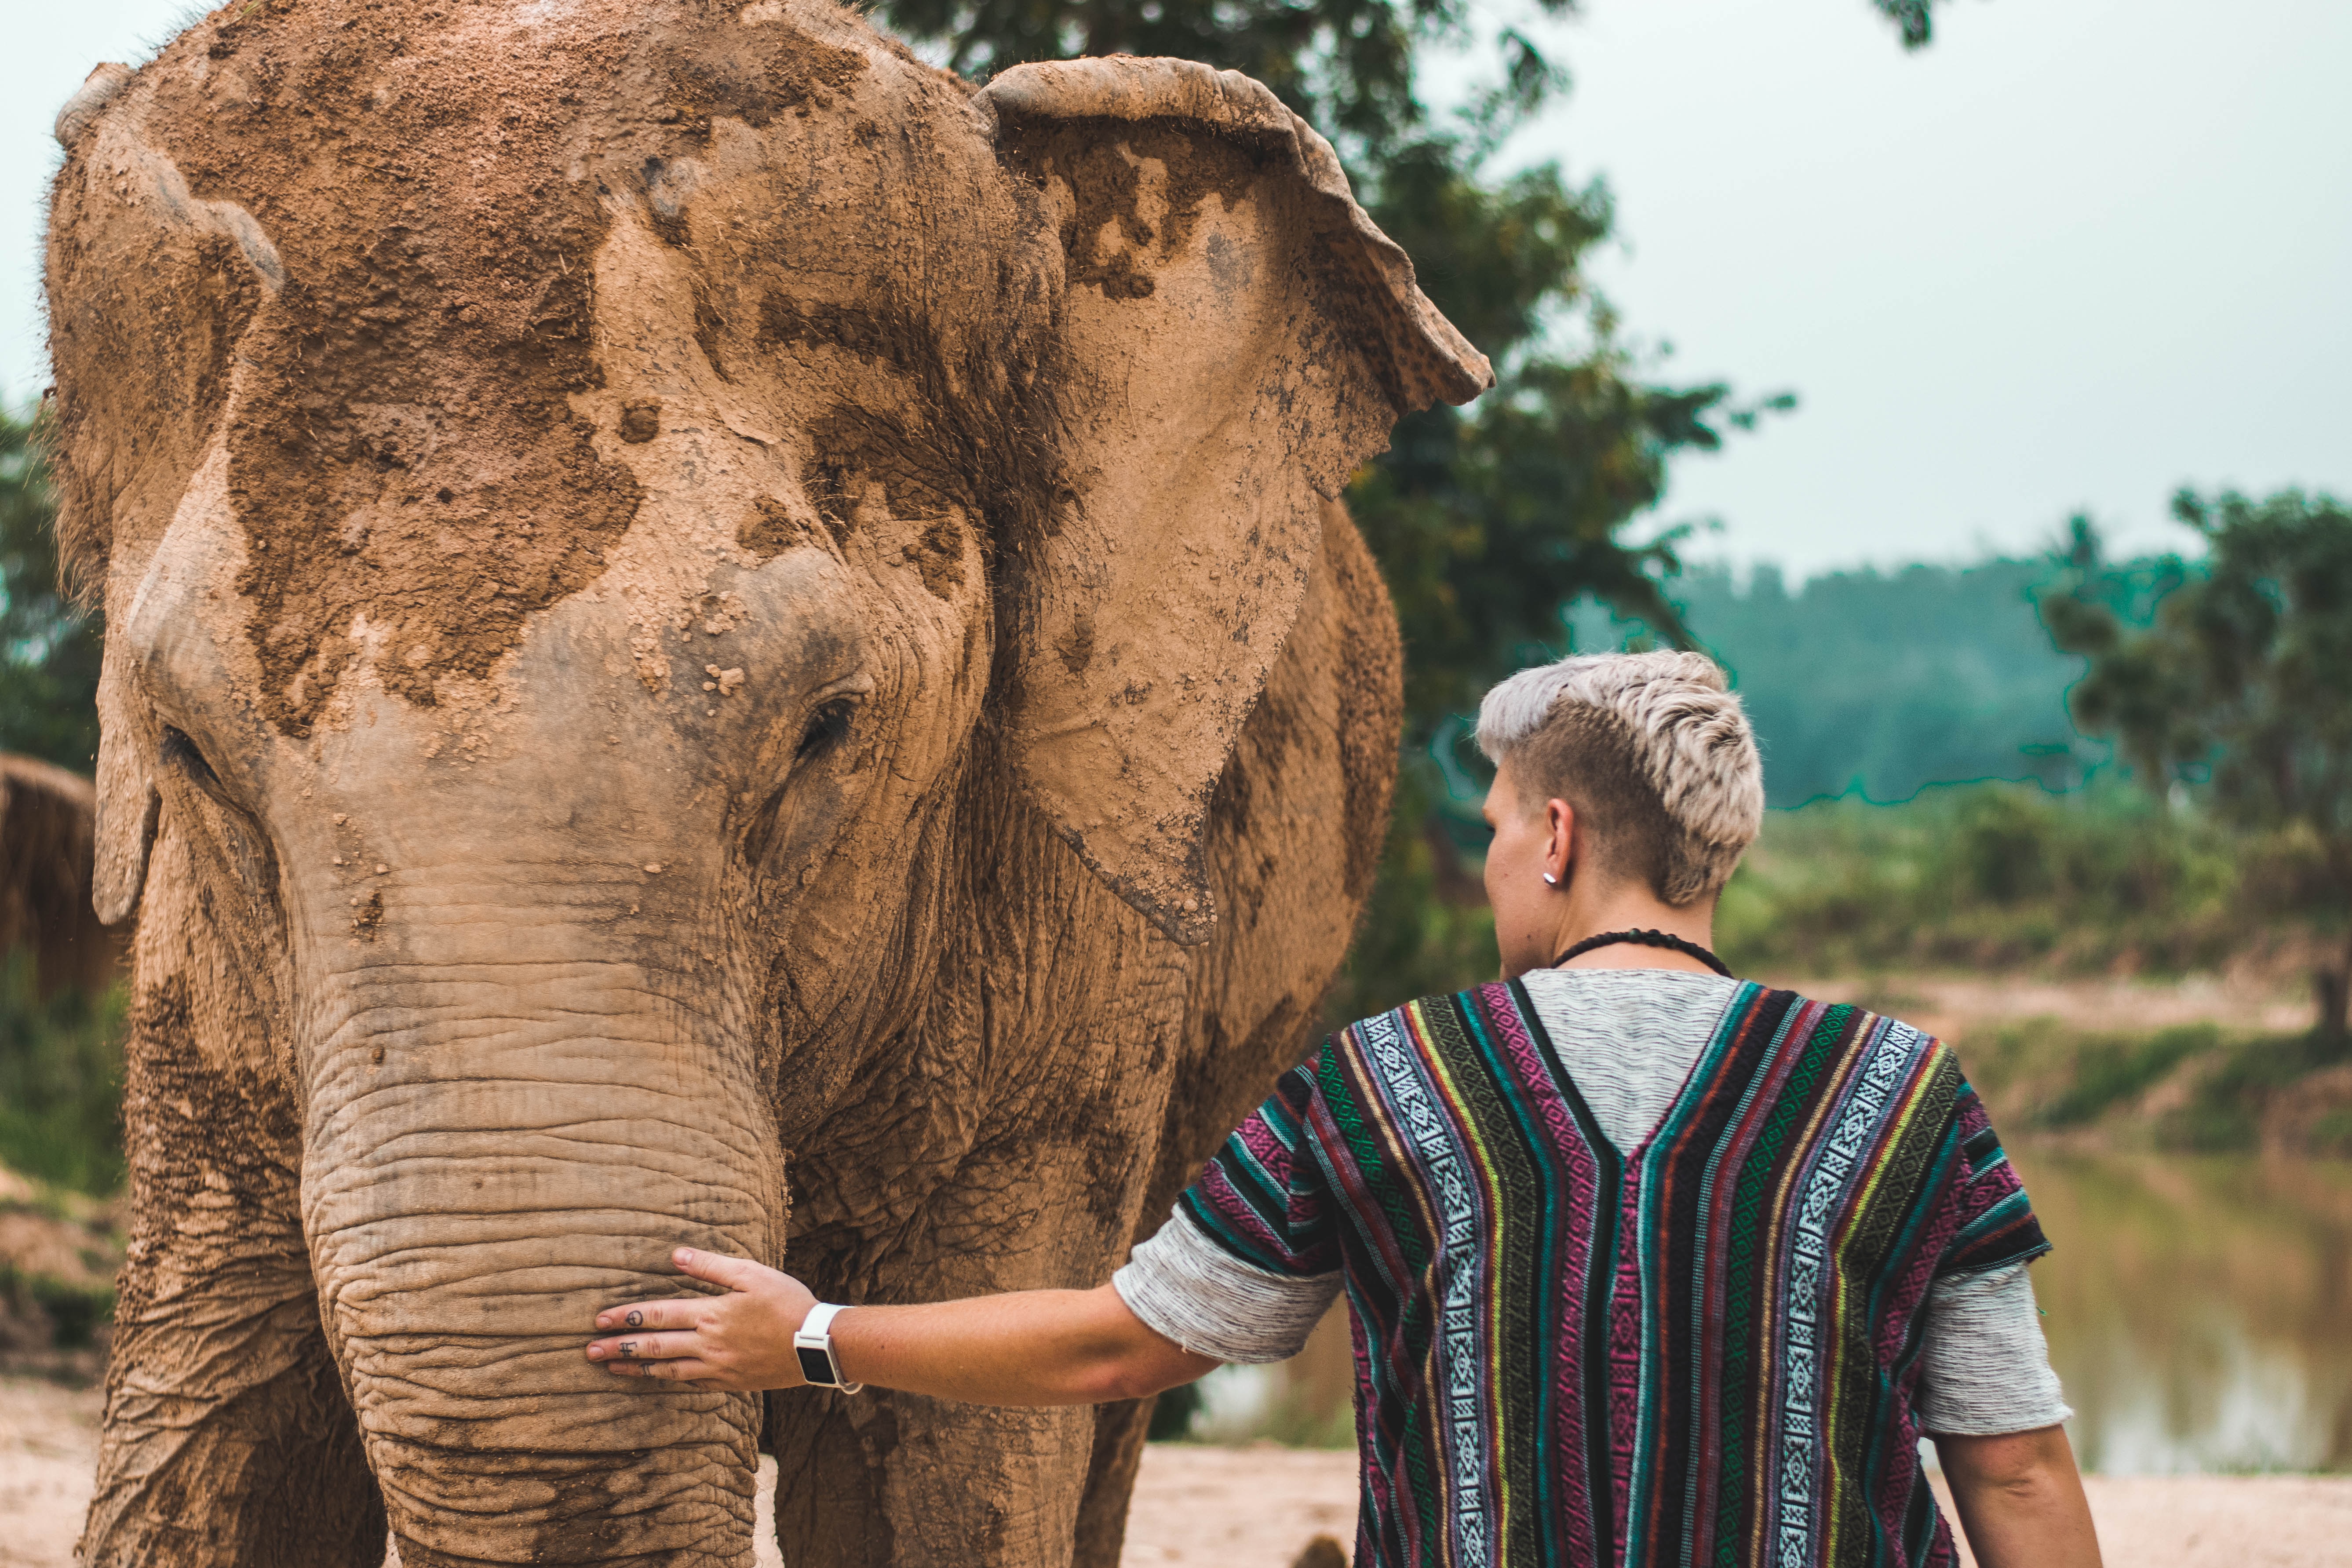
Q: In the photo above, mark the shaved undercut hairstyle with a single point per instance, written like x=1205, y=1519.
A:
x=1653, y=752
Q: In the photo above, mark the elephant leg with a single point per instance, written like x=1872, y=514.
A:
x=227, y=1437
x=885, y=1479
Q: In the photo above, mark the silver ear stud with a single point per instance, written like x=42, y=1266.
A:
x=1551, y=880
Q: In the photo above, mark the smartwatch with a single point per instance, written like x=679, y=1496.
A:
x=812, y=1344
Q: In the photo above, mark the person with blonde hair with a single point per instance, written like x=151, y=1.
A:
x=1644, y=1264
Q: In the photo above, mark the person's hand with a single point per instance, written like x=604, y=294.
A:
x=741, y=1342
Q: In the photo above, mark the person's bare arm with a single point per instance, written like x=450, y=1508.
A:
x=2021, y=1499
x=1028, y=1347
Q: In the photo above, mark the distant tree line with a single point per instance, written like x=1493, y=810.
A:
x=1875, y=684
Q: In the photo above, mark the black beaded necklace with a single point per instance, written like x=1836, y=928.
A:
x=1645, y=939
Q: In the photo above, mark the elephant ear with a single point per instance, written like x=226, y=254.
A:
x=1236, y=337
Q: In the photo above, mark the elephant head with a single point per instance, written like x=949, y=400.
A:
x=604, y=510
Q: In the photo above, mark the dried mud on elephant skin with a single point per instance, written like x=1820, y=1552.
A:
x=403, y=401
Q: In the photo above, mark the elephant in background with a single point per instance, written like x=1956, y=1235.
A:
x=48, y=824
x=692, y=601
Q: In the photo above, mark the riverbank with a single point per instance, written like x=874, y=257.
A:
x=2209, y=1065
x=1260, y=1507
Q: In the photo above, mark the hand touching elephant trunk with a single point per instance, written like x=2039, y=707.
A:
x=499, y=1143
x=683, y=586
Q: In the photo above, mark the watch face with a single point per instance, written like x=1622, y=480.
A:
x=815, y=1365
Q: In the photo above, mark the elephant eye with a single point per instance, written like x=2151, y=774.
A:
x=181, y=754
x=826, y=726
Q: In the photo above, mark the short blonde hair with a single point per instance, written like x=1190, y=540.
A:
x=1652, y=749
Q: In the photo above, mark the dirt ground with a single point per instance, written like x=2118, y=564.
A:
x=49, y=1442
x=1260, y=1507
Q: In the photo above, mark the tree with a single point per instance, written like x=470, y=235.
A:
x=2239, y=690
x=48, y=649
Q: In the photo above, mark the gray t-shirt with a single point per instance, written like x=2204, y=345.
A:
x=1629, y=1037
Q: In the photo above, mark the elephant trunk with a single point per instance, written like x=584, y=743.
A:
x=495, y=1148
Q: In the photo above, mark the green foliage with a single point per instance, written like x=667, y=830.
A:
x=1986, y=876
x=60, y=1081
x=1427, y=930
x=48, y=651
x=1350, y=61
x=1172, y=1414
x=2240, y=687
x=1916, y=18
x=2332, y=1134
x=73, y=1313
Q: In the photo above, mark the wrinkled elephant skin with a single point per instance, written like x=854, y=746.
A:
x=712, y=639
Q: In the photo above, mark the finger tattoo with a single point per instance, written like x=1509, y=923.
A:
x=636, y=1320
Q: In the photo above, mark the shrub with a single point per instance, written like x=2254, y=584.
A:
x=60, y=1081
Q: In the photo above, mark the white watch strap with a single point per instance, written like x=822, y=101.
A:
x=815, y=1333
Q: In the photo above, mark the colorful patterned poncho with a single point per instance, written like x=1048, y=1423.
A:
x=1701, y=1353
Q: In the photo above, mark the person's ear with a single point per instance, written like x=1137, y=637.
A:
x=1235, y=337
x=1562, y=852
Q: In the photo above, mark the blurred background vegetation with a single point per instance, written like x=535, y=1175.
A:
x=1937, y=806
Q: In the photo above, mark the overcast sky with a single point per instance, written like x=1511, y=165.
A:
x=2075, y=255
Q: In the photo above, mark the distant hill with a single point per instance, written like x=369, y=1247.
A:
x=1879, y=684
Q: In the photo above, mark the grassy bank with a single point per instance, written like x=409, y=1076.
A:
x=2191, y=1088
x=2001, y=877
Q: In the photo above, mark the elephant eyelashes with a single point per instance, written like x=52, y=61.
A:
x=826, y=726
x=180, y=752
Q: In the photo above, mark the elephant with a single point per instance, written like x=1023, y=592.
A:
x=713, y=637
x=48, y=824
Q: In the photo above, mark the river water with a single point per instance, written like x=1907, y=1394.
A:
x=2199, y=1311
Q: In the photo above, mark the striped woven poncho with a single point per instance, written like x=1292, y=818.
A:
x=1702, y=1352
